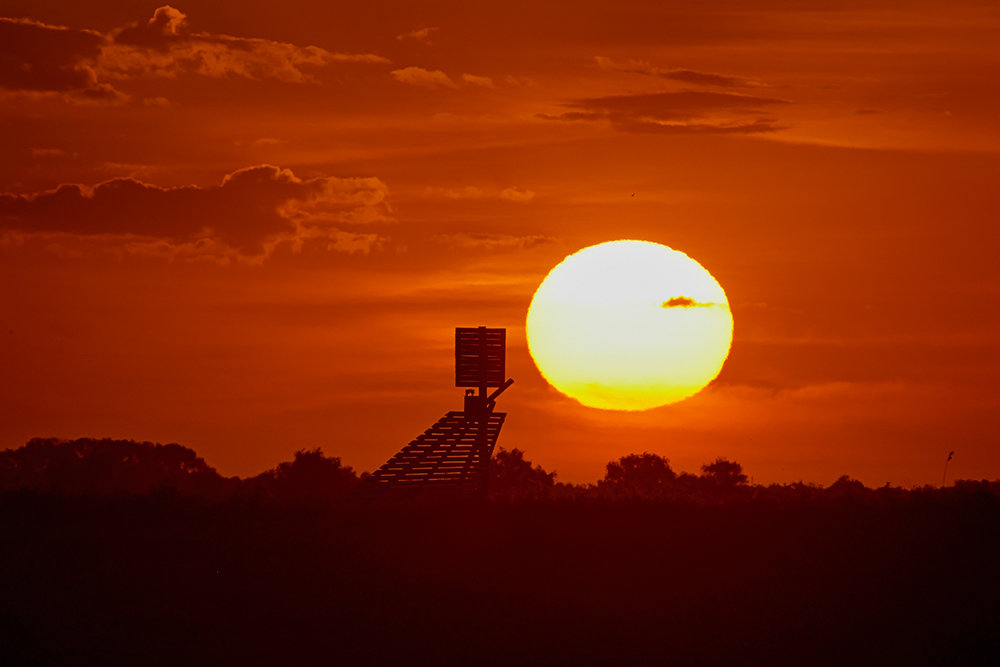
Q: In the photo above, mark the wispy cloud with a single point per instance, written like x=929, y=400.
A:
x=427, y=78
x=689, y=112
x=512, y=193
x=476, y=80
x=424, y=78
x=485, y=241
x=517, y=195
x=422, y=35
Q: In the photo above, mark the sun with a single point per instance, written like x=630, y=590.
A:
x=629, y=325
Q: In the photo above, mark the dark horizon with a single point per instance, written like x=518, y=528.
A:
x=292, y=569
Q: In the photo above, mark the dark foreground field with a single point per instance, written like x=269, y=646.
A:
x=163, y=578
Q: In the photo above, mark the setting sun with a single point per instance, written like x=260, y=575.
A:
x=629, y=325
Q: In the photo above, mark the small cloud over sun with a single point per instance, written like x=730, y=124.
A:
x=684, y=302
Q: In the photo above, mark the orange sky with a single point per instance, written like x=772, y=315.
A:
x=251, y=227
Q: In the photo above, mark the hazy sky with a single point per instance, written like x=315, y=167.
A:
x=252, y=227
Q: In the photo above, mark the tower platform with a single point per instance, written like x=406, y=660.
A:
x=451, y=459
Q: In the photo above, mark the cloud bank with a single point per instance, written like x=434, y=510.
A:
x=39, y=58
x=247, y=216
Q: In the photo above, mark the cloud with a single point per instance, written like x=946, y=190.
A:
x=261, y=142
x=53, y=153
x=685, y=75
x=703, y=78
x=38, y=59
x=249, y=214
x=422, y=35
x=46, y=59
x=512, y=193
x=676, y=105
x=468, y=192
x=685, y=302
x=484, y=241
x=516, y=194
x=689, y=112
x=166, y=46
x=418, y=76
x=168, y=24
x=482, y=81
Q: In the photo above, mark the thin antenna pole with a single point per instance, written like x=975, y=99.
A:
x=945, y=475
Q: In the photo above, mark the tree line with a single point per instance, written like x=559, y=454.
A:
x=127, y=467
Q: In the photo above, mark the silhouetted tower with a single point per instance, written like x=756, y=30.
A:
x=452, y=457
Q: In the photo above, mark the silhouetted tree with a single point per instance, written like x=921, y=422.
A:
x=107, y=466
x=789, y=494
x=638, y=475
x=310, y=476
x=846, y=487
x=723, y=473
x=512, y=477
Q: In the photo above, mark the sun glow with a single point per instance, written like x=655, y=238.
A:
x=629, y=325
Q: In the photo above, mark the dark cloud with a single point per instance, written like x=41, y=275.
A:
x=703, y=78
x=43, y=58
x=676, y=112
x=685, y=75
x=677, y=105
x=252, y=211
x=168, y=26
x=685, y=302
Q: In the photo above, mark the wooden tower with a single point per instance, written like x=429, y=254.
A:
x=451, y=458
